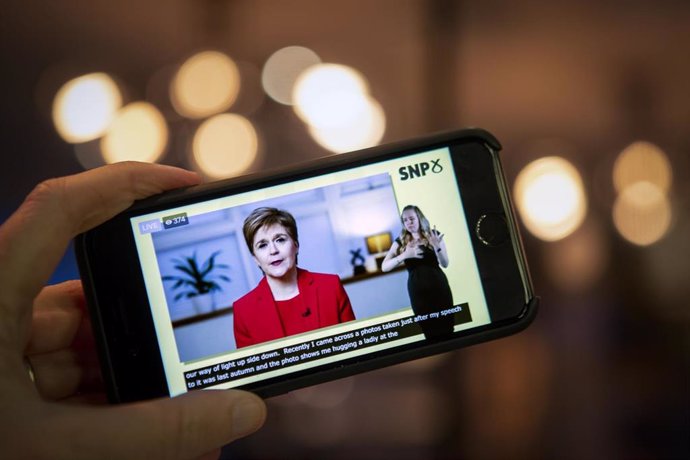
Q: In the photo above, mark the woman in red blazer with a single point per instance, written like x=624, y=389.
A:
x=288, y=300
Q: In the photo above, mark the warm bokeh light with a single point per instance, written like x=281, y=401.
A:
x=361, y=132
x=550, y=197
x=282, y=70
x=206, y=84
x=642, y=213
x=225, y=145
x=642, y=161
x=330, y=95
x=138, y=133
x=85, y=106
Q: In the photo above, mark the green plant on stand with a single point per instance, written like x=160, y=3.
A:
x=198, y=282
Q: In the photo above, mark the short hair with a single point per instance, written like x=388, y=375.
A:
x=266, y=216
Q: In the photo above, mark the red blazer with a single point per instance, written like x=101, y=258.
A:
x=256, y=317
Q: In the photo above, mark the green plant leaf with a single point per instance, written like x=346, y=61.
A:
x=197, y=281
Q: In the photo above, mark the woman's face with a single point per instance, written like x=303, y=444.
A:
x=410, y=221
x=275, y=251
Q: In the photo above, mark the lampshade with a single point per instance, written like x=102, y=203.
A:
x=378, y=243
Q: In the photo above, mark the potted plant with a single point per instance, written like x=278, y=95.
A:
x=198, y=282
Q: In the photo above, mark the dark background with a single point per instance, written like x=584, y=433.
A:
x=604, y=370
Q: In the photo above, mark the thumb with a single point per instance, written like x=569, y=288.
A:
x=187, y=426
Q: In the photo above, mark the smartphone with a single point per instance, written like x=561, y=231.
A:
x=276, y=281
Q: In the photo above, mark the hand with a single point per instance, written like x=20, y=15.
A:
x=49, y=328
x=435, y=238
x=412, y=251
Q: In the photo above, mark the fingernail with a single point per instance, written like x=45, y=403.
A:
x=248, y=415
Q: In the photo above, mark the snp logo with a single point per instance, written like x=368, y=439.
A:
x=420, y=169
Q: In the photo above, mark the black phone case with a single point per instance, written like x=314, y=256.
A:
x=348, y=367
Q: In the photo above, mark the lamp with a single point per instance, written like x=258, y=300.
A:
x=378, y=244
x=381, y=242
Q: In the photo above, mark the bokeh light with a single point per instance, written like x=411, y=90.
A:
x=642, y=161
x=361, y=132
x=225, y=145
x=206, y=84
x=550, y=198
x=282, y=69
x=138, y=133
x=330, y=95
x=85, y=106
x=642, y=213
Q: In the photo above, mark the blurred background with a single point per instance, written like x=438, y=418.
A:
x=589, y=100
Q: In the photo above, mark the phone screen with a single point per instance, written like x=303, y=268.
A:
x=224, y=317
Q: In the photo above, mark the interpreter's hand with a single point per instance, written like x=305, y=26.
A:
x=412, y=251
x=56, y=417
x=436, y=238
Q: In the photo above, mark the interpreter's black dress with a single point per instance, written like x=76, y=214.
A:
x=429, y=292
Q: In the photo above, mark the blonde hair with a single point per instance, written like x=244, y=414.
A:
x=424, y=228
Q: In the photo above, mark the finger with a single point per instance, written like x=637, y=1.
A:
x=66, y=373
x=57, y=375
x=184, y=427
x=87, y=399
x=58, y=312
x=34, y=238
